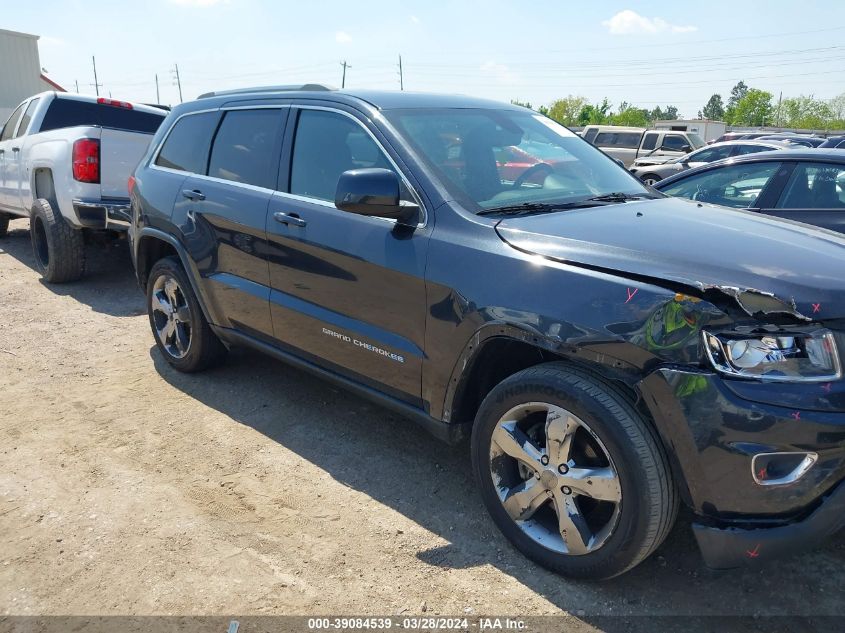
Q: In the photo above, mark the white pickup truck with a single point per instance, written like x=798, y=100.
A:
x=65, y=162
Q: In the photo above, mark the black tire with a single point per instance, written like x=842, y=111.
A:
x=59, y=248
x=204, y=349
x=653, y=178
x=4, y=224
x=648, y=498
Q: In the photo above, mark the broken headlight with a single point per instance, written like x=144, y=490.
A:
x=782, y=357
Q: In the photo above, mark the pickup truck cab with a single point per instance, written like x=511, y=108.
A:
x=610, y=351
x=628, y=144
x=65, y=160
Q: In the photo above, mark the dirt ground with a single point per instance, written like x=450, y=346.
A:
x=127, y=488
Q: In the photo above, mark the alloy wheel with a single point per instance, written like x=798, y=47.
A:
x=171, y=316
x=555, y=478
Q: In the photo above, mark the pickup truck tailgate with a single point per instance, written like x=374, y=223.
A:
x=120, y=152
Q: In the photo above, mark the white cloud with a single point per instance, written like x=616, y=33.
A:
x=415, y=19
x=342, y=37
x=199, y=3
x=629, y=22
x=502, y=73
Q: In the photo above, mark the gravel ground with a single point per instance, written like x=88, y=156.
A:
x=127, y=488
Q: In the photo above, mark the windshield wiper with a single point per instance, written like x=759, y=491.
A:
x=539, y=207
x=617, y=197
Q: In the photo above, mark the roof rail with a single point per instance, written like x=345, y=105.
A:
x=286, y=88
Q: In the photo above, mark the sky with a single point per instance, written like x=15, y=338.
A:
x=646, y=53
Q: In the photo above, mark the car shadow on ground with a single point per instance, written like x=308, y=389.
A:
x=108, y=285
x=398, y=464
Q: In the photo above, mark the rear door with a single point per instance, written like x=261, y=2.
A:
x=814, y=193
x=620, y=145
x=225, y=213
x=348, y=291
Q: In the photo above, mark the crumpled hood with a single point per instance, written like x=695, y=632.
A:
x=765, y=264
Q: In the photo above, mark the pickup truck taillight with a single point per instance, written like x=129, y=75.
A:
x=86, y=160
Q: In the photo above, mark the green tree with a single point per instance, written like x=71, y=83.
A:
x=714, y=109
x=755, y=108
x=595, y=114
x=804, y=112
x=567, y=110
x=629, y=115
x=738, y=93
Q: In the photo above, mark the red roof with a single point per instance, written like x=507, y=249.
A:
x=52, y=83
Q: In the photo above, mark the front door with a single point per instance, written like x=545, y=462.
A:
x=815, y=194
x=348, y=291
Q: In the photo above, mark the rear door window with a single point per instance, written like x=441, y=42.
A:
x=814, y=186
x=247, y=146
x=751, y=149
x=710, y=154
x=590, y=135
x=27, y=117
x=737, y=186
x=71, y=113
x=11, y=124
x=628, y=140
x=186, y=147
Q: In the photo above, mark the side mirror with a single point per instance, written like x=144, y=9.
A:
x=619, y=162
x=373, y=192
x=686, y=148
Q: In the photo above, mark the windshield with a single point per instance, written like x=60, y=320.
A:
x=695, y=140
x=499, y=158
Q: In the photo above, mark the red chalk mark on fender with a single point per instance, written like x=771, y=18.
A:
x=762, y=474
x=796, y=415
x=817, y=307
x=631, y=294
x=753, y=553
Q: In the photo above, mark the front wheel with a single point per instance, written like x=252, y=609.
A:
x=651, y=179
x=181, y=331
x=570, y=472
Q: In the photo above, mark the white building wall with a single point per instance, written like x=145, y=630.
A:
x=20, y=70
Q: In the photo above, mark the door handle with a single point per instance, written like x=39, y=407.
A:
x=193, y=194
x=289, y=218
x=16, y=149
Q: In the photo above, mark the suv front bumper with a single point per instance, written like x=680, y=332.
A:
x=108, y=213
x=713, y=435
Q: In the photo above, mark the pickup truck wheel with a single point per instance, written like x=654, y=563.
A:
x=4, y=224
x=59, y=248
x=571, y=473
x=181, y=332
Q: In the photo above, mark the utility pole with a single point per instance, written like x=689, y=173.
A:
x=76, y=81
x=401, y=77
x=343, y=80
x=780, y=98
x=96, y=83
x=158, y=98
x=178, y=81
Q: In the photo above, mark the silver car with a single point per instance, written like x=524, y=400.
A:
x=651, y=172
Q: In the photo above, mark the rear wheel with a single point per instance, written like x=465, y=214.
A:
x=571, y=473
x=181, y=331
x=59, y=248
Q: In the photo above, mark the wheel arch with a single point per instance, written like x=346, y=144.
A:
x=43, y=185
x=150, y=246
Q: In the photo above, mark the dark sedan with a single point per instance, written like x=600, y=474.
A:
x=834, y=141
x=806, y=185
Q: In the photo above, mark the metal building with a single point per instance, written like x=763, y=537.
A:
x=20, y=71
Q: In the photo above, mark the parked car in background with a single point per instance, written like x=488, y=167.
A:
x=65, y=160
x=650, y=173
x=797, y=139
x=740, y=136
x=705, y=128
x=834, y=142
x=628, y=144
x=805, y=185
x=610, y=351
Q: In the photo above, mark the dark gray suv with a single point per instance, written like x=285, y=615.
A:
x=476, y=266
